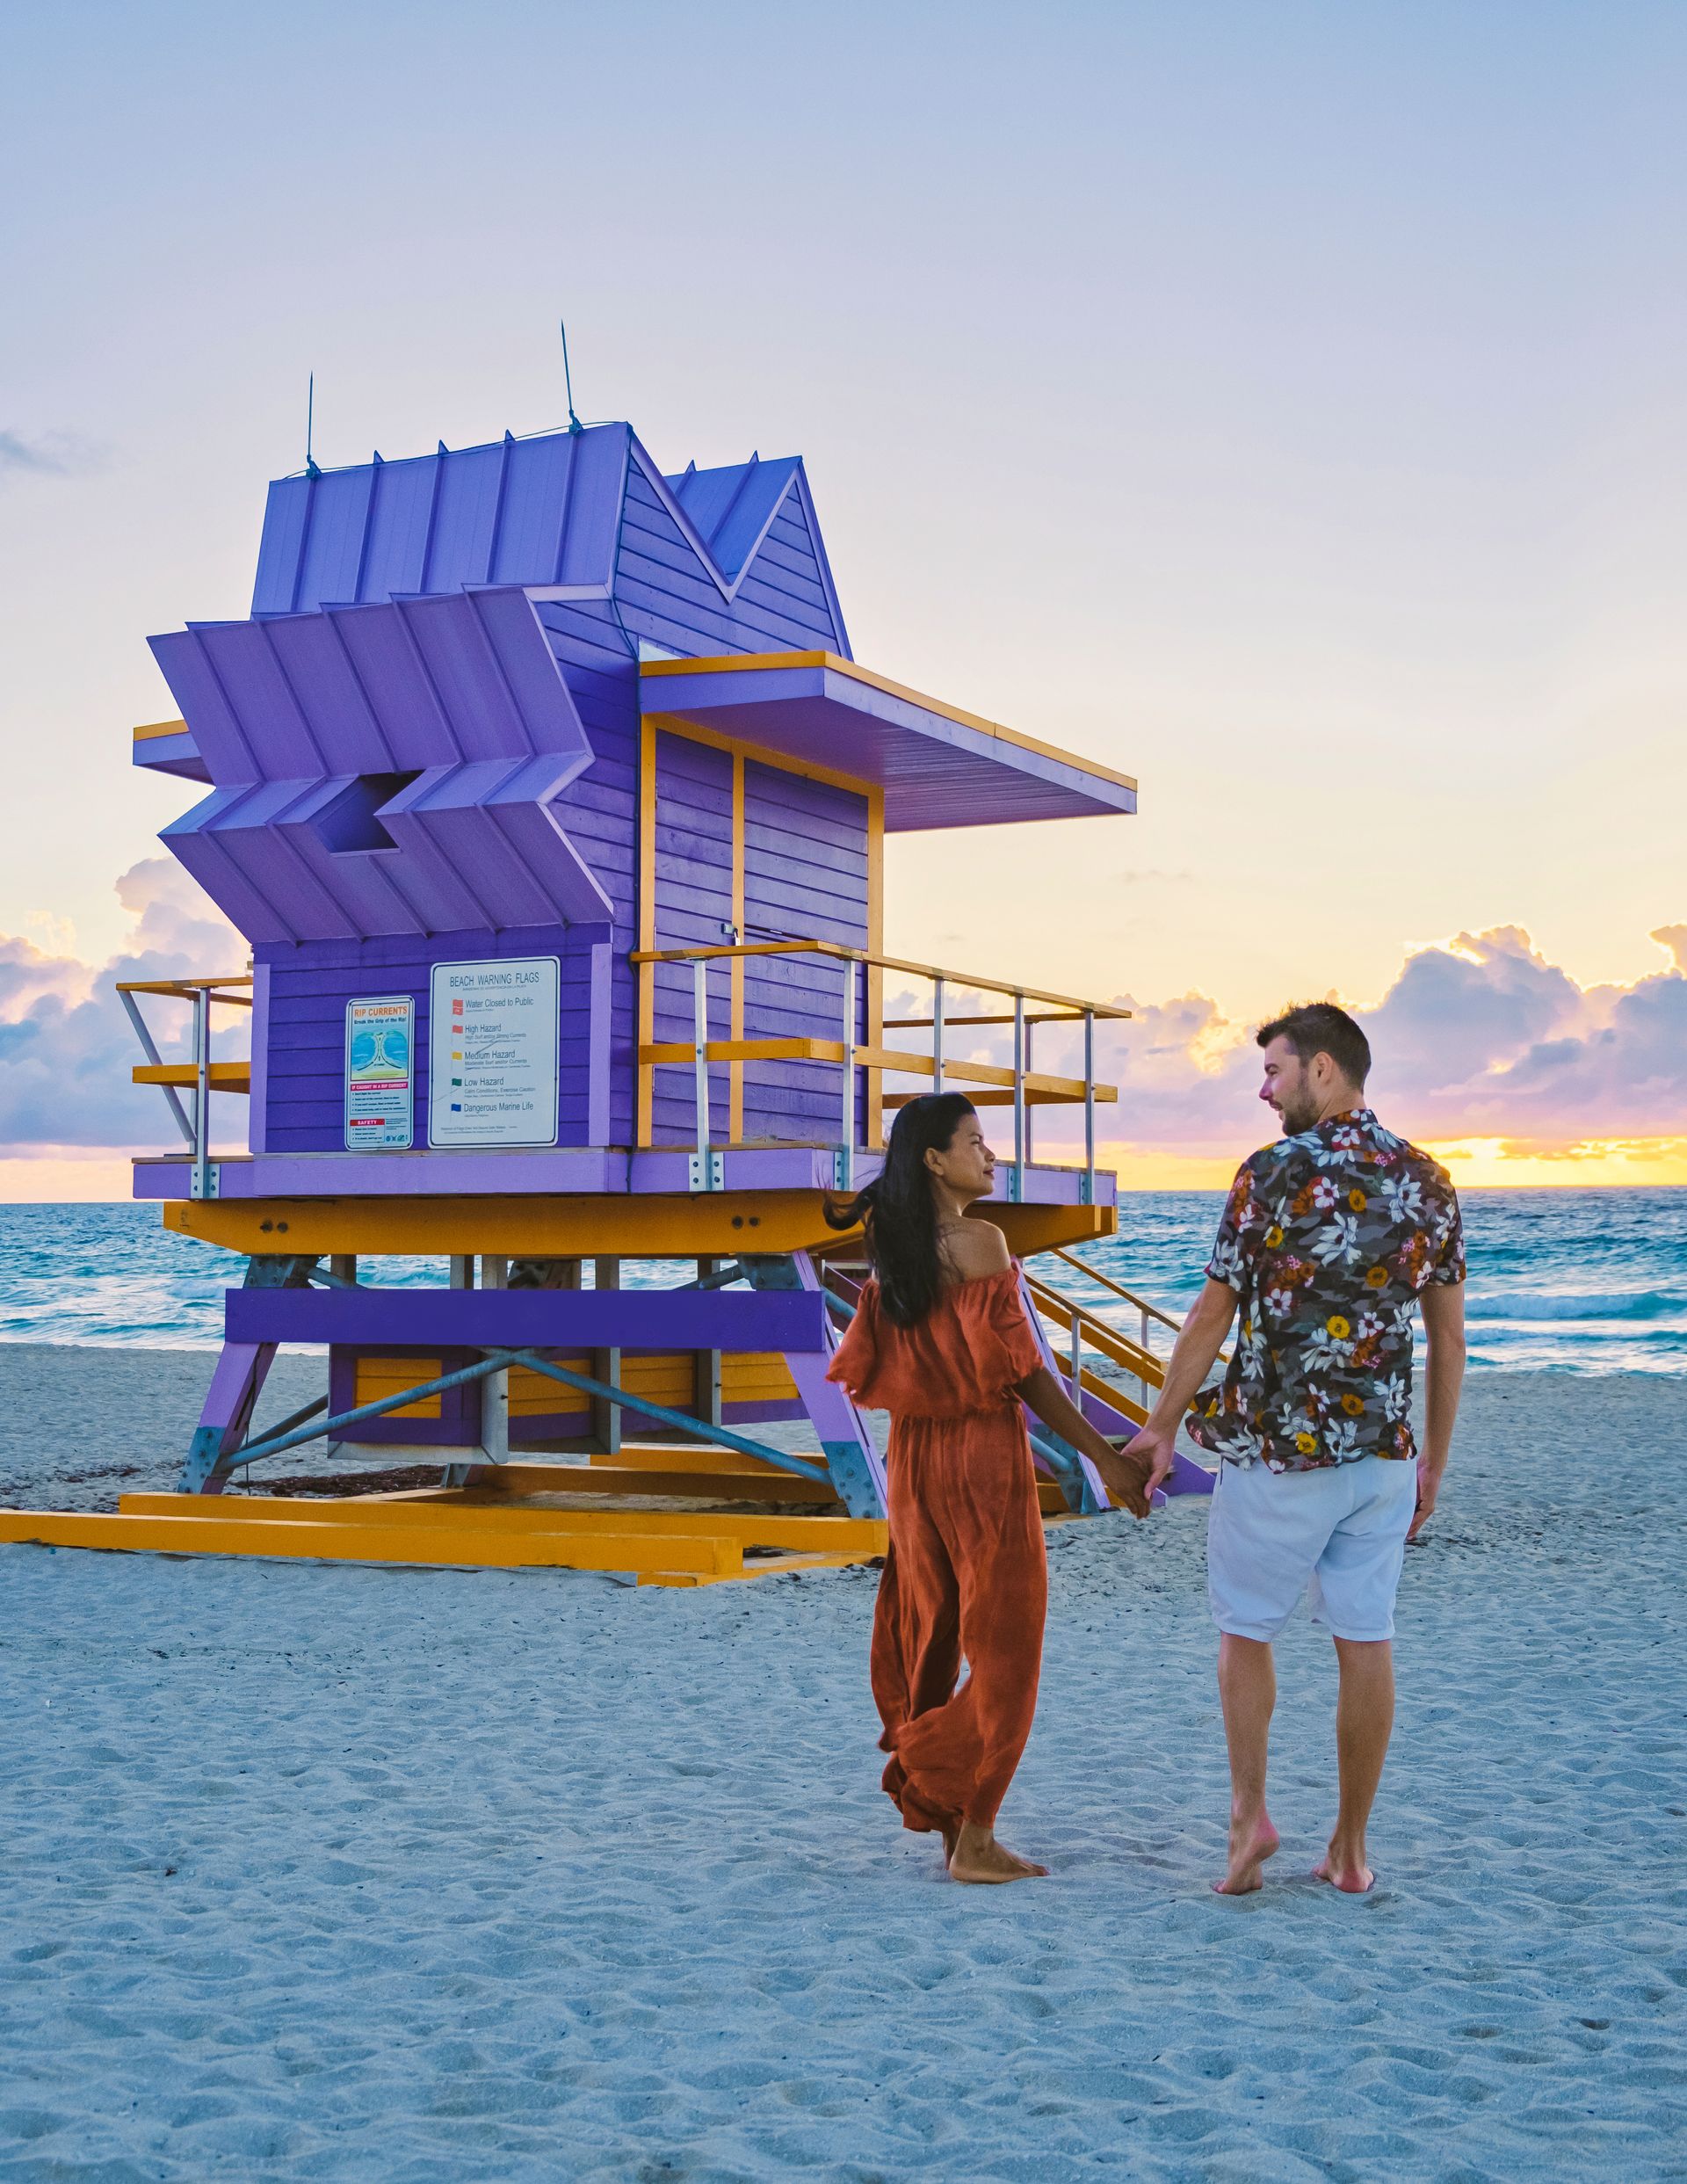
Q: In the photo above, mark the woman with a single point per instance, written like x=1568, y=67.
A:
x=942, y=1341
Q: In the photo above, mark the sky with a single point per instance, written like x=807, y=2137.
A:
x=1285, y=404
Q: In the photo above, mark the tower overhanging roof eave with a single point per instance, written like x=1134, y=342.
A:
x=938, y=766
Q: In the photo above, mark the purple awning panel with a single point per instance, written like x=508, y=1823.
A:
x=372, y=689
x=937, y=768
x=387, y=769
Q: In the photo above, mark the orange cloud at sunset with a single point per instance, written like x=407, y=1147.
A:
x=1483, y=1052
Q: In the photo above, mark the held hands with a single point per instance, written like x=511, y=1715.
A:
x=1126, y=1479
x=1154, y=1447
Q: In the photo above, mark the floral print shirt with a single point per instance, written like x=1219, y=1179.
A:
x=1328, y=1237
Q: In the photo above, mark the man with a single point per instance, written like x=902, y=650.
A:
x=1330, y=1239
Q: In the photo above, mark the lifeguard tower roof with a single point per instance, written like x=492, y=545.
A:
x=724, y=566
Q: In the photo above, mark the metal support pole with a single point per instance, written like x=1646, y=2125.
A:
x=1019, y=1097
x=937, y=1034
x=462, y=1270
x=1089, y=1107
x=495, y=1389
x=1030, y=1040
x=606, y=1365
x=1076, y=1332
x=700, y=1052
x=845, y=1177
x=1142, y=1378
x=202, y=1093
x=706, y=1373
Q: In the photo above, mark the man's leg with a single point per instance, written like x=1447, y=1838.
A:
x=1248, y=1689
x=1353, y=1592
x=1364, y=1720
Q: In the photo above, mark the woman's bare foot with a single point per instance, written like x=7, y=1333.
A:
x=977, y=1856
x=1343, y=1870
x=1252, y=1842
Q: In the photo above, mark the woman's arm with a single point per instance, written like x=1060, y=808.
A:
x=1124, y=1475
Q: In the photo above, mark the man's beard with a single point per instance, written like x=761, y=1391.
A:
x=1296, y=1115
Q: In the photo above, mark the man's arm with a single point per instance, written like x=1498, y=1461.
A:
x=1192, y=1358
x=1443, y=1304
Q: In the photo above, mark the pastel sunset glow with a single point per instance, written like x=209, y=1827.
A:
x=1293, y=423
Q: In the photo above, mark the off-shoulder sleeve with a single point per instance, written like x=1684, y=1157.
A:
x=1004, y=1351
x=854, y=1361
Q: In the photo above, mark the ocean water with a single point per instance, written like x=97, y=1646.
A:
x=1565, y=1281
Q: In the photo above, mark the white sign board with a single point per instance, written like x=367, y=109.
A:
x=379, y=1040
x=492, y=1052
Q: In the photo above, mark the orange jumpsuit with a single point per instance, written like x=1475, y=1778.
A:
x=966, y=1576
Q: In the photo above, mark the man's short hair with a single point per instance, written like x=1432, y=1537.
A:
x=1321, y=1027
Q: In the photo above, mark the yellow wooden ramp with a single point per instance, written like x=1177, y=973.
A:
x=465, y=1529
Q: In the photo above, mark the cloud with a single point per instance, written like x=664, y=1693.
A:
x=1477, y=1038
x=66, y=1045
x=47, y=454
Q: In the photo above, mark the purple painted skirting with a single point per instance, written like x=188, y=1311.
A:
x=597, y=1173
x=581, y=1319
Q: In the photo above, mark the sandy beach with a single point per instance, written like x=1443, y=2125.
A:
x=325, y=1872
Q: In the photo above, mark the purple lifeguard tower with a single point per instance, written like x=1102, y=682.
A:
x=552, y=803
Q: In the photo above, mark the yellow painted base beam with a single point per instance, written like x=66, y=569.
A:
x=622, y=1225
x=463, y=1510
x=607, y=1478
x=677, y=1455
x=767, y=1566
x=769, y=1485
x=464, y=1545
x=712, y=1225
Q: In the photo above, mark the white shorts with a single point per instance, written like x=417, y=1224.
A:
x=1338, y=1532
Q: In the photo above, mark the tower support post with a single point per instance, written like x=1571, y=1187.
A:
x=852, y=1456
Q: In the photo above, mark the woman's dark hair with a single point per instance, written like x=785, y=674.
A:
x=898, y=1210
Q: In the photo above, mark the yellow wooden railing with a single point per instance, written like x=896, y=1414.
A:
x=987, y=1083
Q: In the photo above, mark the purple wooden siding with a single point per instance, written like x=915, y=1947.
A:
x=601, y=811
x=310, y=985
x=783, y=582
x=694, y=883
x=665, y=593
x=805, y=875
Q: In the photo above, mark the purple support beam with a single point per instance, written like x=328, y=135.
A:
x=583, y=1320
x=229, y=1402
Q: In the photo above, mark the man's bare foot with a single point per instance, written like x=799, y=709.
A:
x=977, y=1856
x=1350, y=1875
x=1251, y=1843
